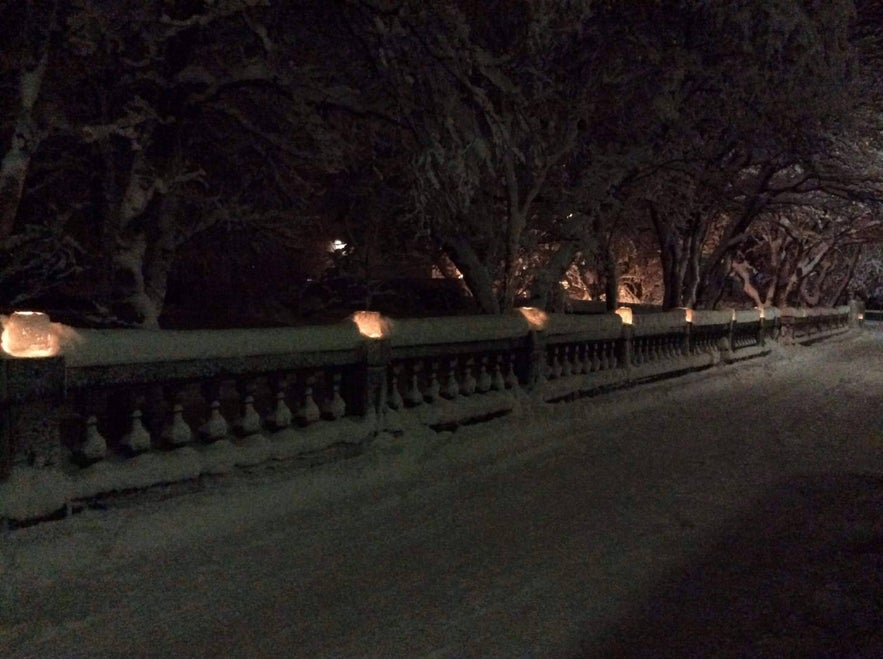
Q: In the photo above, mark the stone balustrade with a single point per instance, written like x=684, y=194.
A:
x=126, y=409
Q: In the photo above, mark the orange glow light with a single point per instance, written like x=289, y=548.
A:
x=536, y=318
x=626, y=314
x=370, y=323
x=29, y=334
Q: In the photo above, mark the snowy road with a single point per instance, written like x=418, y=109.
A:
x=732, y=511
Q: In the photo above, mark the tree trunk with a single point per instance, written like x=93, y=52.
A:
x=742, y=270
x=130, y=300
x=611, y=277
x=670, y=257
x=551, y=275
x=839, y=292
x=25, y=140
x=475, y=273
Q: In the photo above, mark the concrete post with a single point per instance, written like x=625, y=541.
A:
x=627, y=348
x=375, y=364
x=533, y=374
x=22, y=381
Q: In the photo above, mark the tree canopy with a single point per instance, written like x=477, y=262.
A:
x=725, y=148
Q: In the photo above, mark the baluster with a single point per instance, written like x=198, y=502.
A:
x=657, y=352
x=469, y=383
x=394, y=400
x=177, y=432
x=433, y=389
x=596, y=358
x=554, y=364
x=215, y=427
x=583, y=365
x=497, y=381
x=577, y=365
x=484, y=378
x=308, y=412
x=413, y=397
x=451, y=388
x=511, y=376
x=611, y=355
x=137, y=439
x=281, y=415
x=638, y=356
x=250, y=421
x=94, y=447
x=335, y=407
x=566, y=366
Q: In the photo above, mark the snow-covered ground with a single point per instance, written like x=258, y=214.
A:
x=736, y=511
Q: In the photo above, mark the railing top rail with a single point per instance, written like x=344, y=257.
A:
x=600, y=326
x=748, y=315
x=712, y=317
x=88, y=348
x=662, y=322
x=456, y=329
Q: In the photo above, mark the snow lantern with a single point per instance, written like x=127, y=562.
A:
x=626, y=314
x=370, y=324
x=536, y=318
x=760, y=312
x=29, y=334
x=688, y=313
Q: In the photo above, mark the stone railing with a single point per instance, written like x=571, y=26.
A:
x=123, y=409
x=808, y=325
x=872, y=316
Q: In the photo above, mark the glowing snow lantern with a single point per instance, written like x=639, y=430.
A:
x=626, y=314
x=370, y=324
x=760, y=312
x=688, y=313
x=861, y=316
x=536, y=318
x=29, y=334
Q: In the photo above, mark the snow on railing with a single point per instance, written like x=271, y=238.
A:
x=123, y=409
x=808, y=325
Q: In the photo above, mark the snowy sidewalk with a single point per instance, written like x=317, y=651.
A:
x=735, y=510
